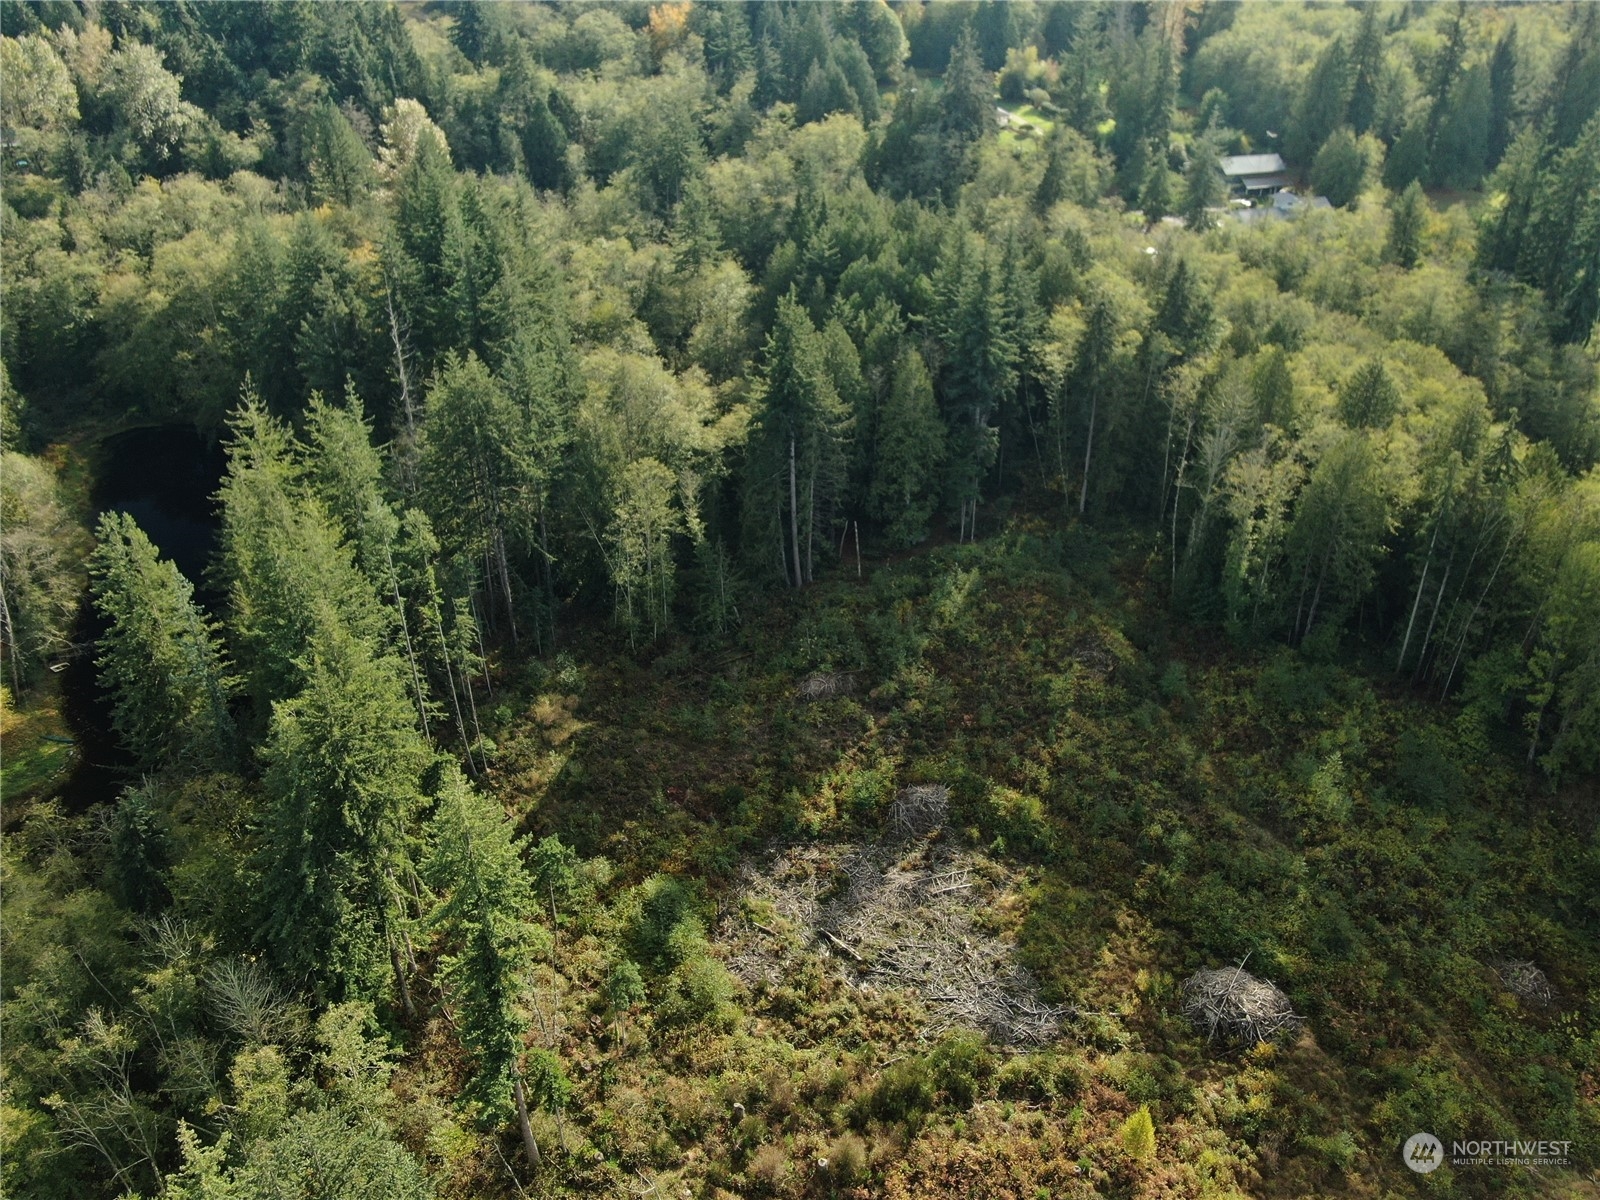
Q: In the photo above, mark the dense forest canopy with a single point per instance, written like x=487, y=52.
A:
x=654, y=430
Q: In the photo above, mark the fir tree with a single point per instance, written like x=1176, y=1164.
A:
x=1408, y=219
x=343, y=768
x=280, y=559
x=1322, y=105
x=1368, y=398
x=1203, y=186
x=795, y=441
x=159, y=657
x=474, y=863
x=1408, y=157
x=910, y=453
x=1155, y=198
x=1502, y=96
x=1366, y=72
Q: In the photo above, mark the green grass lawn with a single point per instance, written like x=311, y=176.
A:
x=1025, y=115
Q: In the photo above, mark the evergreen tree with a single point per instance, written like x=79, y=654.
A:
x=343, y=769
x=1091, y=378
x=1408, y=220
x=795, y=438
x=852, y=60
x=344, y=471
x=1408, y=157
x=1141, y=90
x=1339, y=523
x=1366, y=72
x=1203, y=186
x=474, y=468
x=978, y=373
x=826, y=90
x=1322, y=105
x=159, y=657
x=1053, y=183
x=1272, y=388
x=280, y=559
x=965, y=102
x=1185, y=319
x=1502, y=96
x=1577, y=293
x=544, y=146
x=966, y=111
x=910, y=453
x=1368, y=398
x=474, y=863
x=139, y=852
x=1461, y=145
x=1155, y=198
x=1574, y=96
x=1442, y=78
x=426, y=255
x=338, y=164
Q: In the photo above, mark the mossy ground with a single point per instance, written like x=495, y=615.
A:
x=35, y=744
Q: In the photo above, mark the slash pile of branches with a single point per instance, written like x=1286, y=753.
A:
x=918, y=811
x=889, y=922
x=1234, y=1005
x=825, y=685
x=1524, y=981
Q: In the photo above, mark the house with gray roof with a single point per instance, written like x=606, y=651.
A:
x=1256, y=174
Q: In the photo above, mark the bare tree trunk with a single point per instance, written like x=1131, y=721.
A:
x=1417, y=603
x=400, y=982
x=407, y=458
x=411, y=653
x=1088, y=451
x=794, y=515
x=811, y=525
x=8, y=635
x=530, y=1147
x=549, y=575
x=1427, y=637
x=1466, y=630
x=483, y=654
x=1177, y=498
x=455, y=697
x=505, y=581
x=1316, y=597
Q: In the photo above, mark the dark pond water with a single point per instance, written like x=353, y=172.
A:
x=164, y=477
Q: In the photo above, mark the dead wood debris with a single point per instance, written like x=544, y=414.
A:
x=890, y=922
x=824, y=685
x=918, y=811
x=1524, y=980
x=1231, y=1003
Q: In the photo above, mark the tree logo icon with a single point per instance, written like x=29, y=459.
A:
x=1422, y=1153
